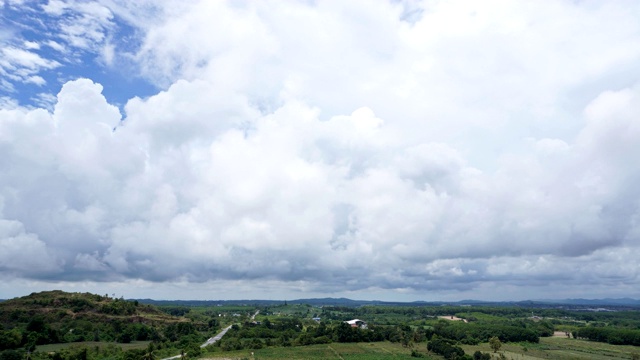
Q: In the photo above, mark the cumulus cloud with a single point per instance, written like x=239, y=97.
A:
x=24, y=253
x=295, y=198
x=439, y=153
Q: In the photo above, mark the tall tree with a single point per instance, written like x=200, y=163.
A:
x=495, y=344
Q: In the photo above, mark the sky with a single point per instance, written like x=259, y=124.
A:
x=377, y=150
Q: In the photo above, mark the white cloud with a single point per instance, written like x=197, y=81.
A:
x=31, y=45
x=24, y=253
x=37, y=80
x=56, y=46
x=81, y=25
x=551, y=146
x=21, y=58
x=55, y=7
x=21, y=65
x=7, y=102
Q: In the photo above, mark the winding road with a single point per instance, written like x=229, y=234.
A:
x=212, y=340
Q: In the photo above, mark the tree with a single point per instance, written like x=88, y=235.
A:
x=10, y=355
x=495, y=344
x=10, y=339
x=406, y=336
x=149, y=355
x=445, y=348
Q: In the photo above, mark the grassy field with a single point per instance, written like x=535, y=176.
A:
x=549, y=348
x=354, y=351
x=58, y=347
x=560, y=348
x=478, y=316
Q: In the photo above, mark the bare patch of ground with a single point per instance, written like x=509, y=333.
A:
x=561, y=334
x=452, y=318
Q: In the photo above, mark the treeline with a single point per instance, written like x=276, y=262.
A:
x=432, y=311
x=290, y=332
x=629, y=319
x=175, y=310
x=614, y=336
x=474, y=333
x=444, y=337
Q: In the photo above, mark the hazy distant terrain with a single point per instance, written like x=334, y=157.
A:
x=586, y=304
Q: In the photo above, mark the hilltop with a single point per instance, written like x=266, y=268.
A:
x=58, y=306
x=61, y=317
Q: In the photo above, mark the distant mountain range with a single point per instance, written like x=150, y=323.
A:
x=572, y=303
x=594, y=302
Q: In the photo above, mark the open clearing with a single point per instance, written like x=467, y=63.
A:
x=452, y=318
x=560, y=348
x=353, y=351
x=561, y=334
x=58, y=347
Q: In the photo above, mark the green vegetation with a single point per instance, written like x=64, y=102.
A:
x=72, y=326
x=495, y=344
x=609, y=335
x=347, y=351
x=87, y=326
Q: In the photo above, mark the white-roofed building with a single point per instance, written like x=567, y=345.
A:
x=357, y=323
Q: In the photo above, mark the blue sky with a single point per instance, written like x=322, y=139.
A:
x=392, y=150
x=52, y=49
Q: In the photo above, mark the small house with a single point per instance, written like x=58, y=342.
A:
x=357, y=323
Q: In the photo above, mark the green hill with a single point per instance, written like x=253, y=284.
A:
x=61, y=317
x=59, y=306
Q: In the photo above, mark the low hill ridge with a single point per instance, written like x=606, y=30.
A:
x=56, y=306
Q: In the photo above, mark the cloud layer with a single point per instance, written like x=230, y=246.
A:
x=393, y=148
